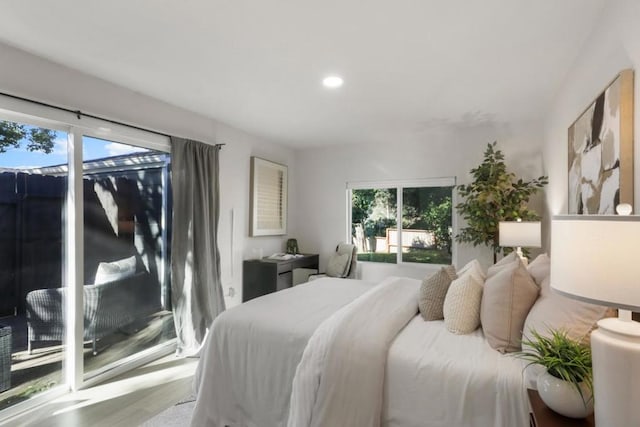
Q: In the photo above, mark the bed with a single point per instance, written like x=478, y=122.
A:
x=251, y=357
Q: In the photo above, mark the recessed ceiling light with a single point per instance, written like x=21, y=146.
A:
x=332, y=82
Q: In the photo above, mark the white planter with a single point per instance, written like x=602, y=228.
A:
x=562, y=396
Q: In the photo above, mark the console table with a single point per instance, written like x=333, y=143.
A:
x=263, y=276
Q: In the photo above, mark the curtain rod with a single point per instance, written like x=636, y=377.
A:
x=79, y=114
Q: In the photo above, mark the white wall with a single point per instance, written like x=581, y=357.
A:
x=613, y=46
x=29, y=76
x=322, y=173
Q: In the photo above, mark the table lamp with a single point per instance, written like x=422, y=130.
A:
x=519, y=234
x=596, y=259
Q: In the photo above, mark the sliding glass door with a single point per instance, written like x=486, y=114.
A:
x=125, y=251
x=33, y=286
x=84, y=247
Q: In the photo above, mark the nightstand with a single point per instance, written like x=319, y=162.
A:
x=542, y=416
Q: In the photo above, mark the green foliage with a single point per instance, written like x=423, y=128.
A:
x=38, y=139
x=563, y=358
x=494, y=195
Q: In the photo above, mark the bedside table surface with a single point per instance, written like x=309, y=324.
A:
x=545, y=417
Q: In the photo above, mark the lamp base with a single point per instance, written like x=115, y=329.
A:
x=523, y=258
x=615, y=350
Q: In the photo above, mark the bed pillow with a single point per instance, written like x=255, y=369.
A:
x=462, y=304
x=338, y=264
x=553, y=311
x=116, y=270
x=473, y=267
x=433, y=292
x=507, y=298
x=505, y=262
x=540, y=268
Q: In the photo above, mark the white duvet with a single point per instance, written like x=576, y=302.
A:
x=431, y=377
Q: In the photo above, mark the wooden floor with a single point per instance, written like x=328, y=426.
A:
x=127, y=400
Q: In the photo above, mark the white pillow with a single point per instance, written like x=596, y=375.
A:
x=474, y=268
x=111, y=271
x=462, y=305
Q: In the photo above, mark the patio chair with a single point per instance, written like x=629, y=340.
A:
x=5, y=358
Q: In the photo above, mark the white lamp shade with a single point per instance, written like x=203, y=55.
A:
x=523, y=234
x=595, y=258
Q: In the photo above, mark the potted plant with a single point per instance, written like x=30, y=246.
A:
x=494, y=195
x=566, y=386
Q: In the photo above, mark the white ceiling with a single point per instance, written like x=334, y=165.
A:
x=257, y=65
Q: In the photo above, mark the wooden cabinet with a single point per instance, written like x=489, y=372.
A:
x=542, y=416
x=263, y=276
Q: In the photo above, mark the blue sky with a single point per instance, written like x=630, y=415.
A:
x=93, y=148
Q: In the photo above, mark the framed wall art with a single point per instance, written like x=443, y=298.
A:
x=268, y=205
x=601, y=151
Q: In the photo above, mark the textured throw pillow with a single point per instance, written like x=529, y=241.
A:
x=540, y=268
x=507, y=298
x=111, y=271
x=433, y=291
x=338, y=265
x=505, y=262
x=462, y=305
x=473, y=267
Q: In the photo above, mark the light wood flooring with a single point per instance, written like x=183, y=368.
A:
x=127, y=400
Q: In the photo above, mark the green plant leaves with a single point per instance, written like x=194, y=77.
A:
x=494, y=195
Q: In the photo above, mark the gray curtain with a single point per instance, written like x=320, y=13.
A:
x=196, y=289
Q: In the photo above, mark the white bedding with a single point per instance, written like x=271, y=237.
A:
x=249, y=360
x=433, y=378
x=339, y=381
x=438, y=379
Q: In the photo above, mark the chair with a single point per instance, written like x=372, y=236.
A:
x=342, y=263
x=5, y=358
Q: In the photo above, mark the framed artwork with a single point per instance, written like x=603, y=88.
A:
x=601, y=151
x=268, y=205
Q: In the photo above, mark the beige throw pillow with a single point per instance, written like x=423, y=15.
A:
x=505, y=262
x=507, y=298
x=433, y=292
x=553, y=311
x=462, y=305
x=540, y=268
x=337, y=265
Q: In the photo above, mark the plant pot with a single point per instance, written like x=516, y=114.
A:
x=563, y=397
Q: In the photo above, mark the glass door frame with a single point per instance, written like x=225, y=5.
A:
x=77, y=127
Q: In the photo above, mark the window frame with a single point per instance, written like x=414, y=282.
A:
x=399, y=185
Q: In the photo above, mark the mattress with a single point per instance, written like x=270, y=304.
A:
x=433, y=378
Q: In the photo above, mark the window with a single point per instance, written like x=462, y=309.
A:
x=408, y=222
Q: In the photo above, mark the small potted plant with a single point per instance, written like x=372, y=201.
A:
x=567, y=384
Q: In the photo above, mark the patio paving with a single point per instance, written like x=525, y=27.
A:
x=41, y=370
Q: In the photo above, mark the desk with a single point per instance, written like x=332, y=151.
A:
x=263, y=276
x=542, y=416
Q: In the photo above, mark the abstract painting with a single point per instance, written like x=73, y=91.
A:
x=601, y=151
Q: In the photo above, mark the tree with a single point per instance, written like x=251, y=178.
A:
x=38, y=139
x=494, y=195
